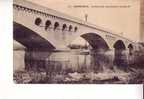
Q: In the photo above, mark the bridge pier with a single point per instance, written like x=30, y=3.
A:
x=101, y=60
x=35, y=59
x=120, y=55
x=121, y=59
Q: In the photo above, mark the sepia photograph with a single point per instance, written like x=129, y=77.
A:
x=78, y=41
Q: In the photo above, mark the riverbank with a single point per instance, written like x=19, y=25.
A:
x=106, y=77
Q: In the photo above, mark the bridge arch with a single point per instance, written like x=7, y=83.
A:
x=131, y=48
x=38, y=21
x=119, y=44
x=96, y=41
x=47, y=24
x=70, y=27
x=120, y=57
x=75, y=29
x=30, y=39
x=64, y=27
x=56, y=25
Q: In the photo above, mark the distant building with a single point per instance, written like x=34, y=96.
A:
x=142, y=21
x=78, y=46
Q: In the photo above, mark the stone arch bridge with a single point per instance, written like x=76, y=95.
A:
x=37, y=27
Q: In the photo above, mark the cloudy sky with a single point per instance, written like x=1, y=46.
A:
x=123, y=20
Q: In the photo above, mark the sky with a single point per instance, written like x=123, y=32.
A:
x=122, y=20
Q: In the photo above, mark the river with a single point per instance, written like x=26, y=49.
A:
x=69, y=61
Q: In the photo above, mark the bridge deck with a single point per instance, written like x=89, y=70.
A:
x=63, y=16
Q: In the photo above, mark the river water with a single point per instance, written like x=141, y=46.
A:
x=74, y=66
x=69, y=61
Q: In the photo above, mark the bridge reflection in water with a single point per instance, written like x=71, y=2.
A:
x=70, y=61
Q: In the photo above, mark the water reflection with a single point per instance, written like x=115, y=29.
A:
x=68, y=61
x=121, y=59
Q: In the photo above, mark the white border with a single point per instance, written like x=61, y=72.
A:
x=9, y=90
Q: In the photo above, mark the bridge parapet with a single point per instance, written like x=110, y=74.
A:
x=57, y=28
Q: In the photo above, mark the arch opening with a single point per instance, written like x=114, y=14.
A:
x=38, y=21
x=56, y=25
x=64, y=27
x=119, y=45
x=70, y=27
x=130, y=47
x=99, y=60
x=96, y=41
x=30, y=39
x=75, y=29
x=47, y=24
